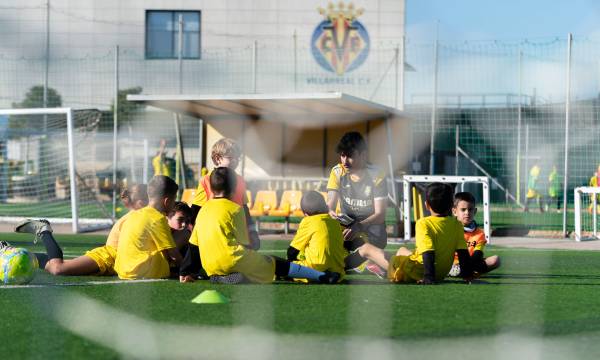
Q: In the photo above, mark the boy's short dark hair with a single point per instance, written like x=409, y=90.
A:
x=181, y=207
x=440, y=197
x=464, y=196
x=351, y=142
x=161, y=186
x=313, y=203
x=223, y=180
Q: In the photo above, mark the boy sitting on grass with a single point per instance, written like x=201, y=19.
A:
x=220, y=241
x=226, y=153
x=99, y=261
x=438, y=237
x=146, y=245
x=464, y=209
x=319, y=237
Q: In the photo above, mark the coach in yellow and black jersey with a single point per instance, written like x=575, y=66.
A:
x=361, y=191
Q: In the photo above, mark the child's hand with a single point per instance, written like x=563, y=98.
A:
x=186, y=279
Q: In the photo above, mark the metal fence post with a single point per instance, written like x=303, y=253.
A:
x=433, y=108
x=115, y=134
x=519, y=114
x=567, y=118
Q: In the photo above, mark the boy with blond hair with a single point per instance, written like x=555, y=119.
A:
x=220, y=241
x=226, y=153
x=464, y=210
x=146, y=246
x=438, y=237
x=319, y=237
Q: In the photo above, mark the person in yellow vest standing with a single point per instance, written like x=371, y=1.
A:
x=159, y=162
x=595, y=182
x=533, y=188
x=554, y=186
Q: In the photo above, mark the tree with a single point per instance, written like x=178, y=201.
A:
x=127, y=109
x=34, y=98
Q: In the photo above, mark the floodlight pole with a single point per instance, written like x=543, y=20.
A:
x=567, y=119
x=179, y=163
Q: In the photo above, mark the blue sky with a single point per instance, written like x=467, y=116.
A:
x=461, y=20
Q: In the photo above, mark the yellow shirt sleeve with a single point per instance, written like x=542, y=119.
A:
x=334, y=180
x=161, y=234
x=194, y=238
x=303, y=236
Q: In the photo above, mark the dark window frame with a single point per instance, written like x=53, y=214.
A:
x=147, y=56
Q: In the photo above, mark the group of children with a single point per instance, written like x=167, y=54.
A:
x=215, y=239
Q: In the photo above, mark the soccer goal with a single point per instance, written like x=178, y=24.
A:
x=51, y=167
x=586, y=213
x=409, y=182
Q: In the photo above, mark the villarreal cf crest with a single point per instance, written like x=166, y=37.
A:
x=340, y=43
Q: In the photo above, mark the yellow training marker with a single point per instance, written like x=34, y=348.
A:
x=210, y=297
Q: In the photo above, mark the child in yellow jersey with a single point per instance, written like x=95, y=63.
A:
x=464, y=210
x=146, y=245
x=319, y=243
x=220, y=243
x=226, y=153
x=99, y=261
x=438, y=237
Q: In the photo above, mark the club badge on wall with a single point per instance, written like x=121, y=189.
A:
x=340, y=43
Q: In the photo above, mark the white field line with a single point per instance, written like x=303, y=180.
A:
x=86, y=283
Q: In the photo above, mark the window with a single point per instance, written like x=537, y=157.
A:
x=162, y=34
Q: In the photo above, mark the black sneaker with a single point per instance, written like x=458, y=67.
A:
x=233, y=278
x=329, y=278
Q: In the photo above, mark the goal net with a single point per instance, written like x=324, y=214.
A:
x=587, y=200
x=52, y=167
x=413, y=202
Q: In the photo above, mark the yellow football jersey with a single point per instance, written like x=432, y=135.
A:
x=320, y=238
x=444, y=235
x=219, y=233
x=143, y=237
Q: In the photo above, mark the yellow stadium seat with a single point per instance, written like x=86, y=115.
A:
x=188, y=196
x=264, y=201
x=289, y=204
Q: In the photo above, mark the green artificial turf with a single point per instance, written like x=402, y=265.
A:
x=551, y=295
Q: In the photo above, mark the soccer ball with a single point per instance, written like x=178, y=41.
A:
x=17, y=266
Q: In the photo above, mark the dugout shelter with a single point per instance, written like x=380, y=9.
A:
x=293, y=135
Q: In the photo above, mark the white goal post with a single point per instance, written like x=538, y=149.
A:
x=586, y=206
x=410, y=179
x=47, y=180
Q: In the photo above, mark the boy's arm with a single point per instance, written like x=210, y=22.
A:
x=429, y=268
x=332, y=200
x=378, y=216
